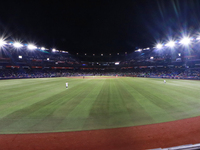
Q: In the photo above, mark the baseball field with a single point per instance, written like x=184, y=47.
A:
x=44, y=105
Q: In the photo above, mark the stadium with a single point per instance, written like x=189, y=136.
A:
x=99, y=75
x=114, y=101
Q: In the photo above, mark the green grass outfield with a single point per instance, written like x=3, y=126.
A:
x=45, y=105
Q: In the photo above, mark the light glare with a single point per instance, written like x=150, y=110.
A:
x=42, y=48
x=170, y=44
x=116, y=63
x=185, y=41
x=159, y=46
x=198, y=38
x=17, y=45
x=31, y=46
x=2, y=42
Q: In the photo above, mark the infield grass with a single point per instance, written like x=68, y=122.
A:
x=45, y=105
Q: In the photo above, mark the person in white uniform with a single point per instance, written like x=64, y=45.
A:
x=164, y=81
x=66, y=85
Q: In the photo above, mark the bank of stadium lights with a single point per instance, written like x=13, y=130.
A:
x=198, y=38
x=31, y=47
x=53, y=50
x=2, y=42
x=47, y=58
x=185, y=41
x=116, y=63
x=146, y=48
x=64, y=52
x=17, y=45
x=139, y=50
x=170, y=44
x=159, y=46
x=42, y=48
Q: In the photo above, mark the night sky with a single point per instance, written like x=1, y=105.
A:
x=98, y=26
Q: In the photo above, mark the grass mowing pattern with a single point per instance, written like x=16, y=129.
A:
x=45, y=105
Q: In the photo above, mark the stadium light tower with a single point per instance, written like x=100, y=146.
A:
x=31, y=47
x=170, y=44
x=17, y=45
x=159, y=46
x=185, y=41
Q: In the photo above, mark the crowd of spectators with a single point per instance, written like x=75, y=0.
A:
x=151, y=73
x=36, y=58
x=44, y=64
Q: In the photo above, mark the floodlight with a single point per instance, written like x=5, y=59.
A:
x=151, y=57
x=20, y=57
x=42, y=48
x=53, y=50
x=2, y=42
x=159, y=46
x=170, y=44
x=185, y=41
x=17, y=45
x=139, y=50
x=116, y=63
x=47, y=58
x=198, y=38
x=31, y=47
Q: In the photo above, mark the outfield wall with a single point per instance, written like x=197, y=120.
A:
x=169, y=77
x=164, y=77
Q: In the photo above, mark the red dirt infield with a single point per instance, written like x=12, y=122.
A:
x=159, y=135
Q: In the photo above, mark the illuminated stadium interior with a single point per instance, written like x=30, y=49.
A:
x=175, y=58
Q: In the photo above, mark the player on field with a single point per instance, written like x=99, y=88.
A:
x=66, y=85
x=164, y=81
